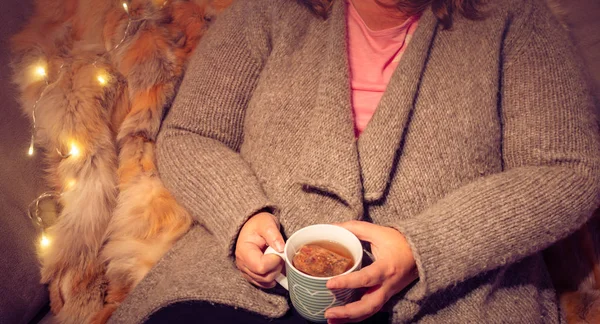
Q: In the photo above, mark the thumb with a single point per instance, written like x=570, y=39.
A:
x=270, y=232
x=364, y=231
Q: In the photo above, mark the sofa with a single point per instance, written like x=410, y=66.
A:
x=22, y=298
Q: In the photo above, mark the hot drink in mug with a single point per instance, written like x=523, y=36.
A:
x=312, y=256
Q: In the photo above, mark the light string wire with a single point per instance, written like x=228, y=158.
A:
x=34, y=213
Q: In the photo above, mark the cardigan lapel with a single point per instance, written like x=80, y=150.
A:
x=380, y=143
x=329, y=158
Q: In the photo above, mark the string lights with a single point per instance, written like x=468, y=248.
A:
x=44, y=241
x=102, y=79
x=42, y=223
x=40, y=72
x=70, y=184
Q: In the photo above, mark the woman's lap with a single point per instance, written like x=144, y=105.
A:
x=205, y=312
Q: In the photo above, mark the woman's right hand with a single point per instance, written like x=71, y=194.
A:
x=260, y=231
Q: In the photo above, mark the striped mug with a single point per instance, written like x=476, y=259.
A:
x=309, y=295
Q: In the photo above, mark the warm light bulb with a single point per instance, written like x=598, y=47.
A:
x=38, y=72
x=44, y=241
x=74, y=150
x=30, y=151
x=70, y=184
x=41, y=71
x=125, y=7
x=101, y=80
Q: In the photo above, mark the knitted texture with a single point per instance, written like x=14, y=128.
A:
x=483, y=151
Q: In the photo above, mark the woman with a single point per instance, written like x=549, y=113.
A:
x=481, y=150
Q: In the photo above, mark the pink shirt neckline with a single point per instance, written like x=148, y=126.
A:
x=388, y=32
x=373, y=56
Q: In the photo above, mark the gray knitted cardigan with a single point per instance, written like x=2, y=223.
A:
x=483, y=151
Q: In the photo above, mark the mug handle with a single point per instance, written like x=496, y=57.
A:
x=281, y=279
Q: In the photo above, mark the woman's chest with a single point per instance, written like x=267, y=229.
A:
x=437, y=128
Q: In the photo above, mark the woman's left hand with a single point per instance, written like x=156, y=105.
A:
x=394, y=268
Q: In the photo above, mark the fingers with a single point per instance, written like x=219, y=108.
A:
x=261, y=268
x=258, y=262
x=363, y=230
x=266, y=278
x=259, y=231
x=264, y=281
x=370, y=303
x=367, y=277
x=258, y=268
x=272, y=236
x=264, y=285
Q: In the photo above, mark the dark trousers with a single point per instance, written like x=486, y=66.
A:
x=204, y=312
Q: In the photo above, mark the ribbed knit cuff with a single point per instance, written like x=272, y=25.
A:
x=419, y=290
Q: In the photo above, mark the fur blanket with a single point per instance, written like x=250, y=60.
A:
x=96, y=76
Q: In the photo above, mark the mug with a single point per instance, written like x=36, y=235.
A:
x=309, y=295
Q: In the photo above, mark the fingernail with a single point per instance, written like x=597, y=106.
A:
x=279, y=246
x=333, y=316
x=330, y=284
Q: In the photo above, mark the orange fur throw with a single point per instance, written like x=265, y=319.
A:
x=108, y=75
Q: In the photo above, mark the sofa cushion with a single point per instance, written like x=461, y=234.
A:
x=22, y=296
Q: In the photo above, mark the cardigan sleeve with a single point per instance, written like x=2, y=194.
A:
x=198, y=146
x=550, y=182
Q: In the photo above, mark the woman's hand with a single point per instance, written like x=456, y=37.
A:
x=393, y=269
x=260, y=231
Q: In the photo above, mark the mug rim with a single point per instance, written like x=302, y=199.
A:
x=289, y=262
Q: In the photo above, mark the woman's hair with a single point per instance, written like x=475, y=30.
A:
x=442, y=9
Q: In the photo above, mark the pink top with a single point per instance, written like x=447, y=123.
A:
x=373, y=57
